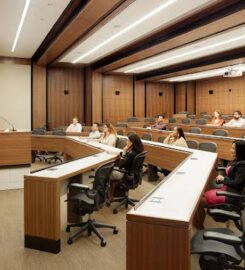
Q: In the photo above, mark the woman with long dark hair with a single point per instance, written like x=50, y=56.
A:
x=176, y=138
x=234, y=181
x=109, y=136
x=133, y=147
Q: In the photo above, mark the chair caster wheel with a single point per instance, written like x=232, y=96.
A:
x=68, y=229
x=115, y=231
x=114, y=211
x=103, y=243
x=69, y=241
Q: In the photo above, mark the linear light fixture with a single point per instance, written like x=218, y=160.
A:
x=125, y=30
x=191, y=52
x=204, y=74
x=27, y=4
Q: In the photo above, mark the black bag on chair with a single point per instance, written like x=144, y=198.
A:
x=209, y=262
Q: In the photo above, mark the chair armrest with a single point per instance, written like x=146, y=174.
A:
x=77, y=185
x=224, y=213
x=120, y=170
x=223, y=238
x=220, y=168
x=229, y=194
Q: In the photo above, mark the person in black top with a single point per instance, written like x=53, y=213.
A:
x=234, y=181
x=133, y=147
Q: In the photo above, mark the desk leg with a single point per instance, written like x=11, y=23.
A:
x=71, y=216
x=42, y=215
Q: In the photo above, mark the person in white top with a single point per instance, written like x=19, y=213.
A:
x=74, y=126
x=237, y=120
x=177, y=138
x=95, y=133
x=109, y=136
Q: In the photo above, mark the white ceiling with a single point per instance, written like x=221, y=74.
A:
x=41, y=16
x=191, y=51
x=131, y=14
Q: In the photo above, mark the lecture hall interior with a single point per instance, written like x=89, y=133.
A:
x=122, y=134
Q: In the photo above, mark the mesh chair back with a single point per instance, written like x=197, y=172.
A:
x=203, y=113
x=186, y=121
x=121, y=125
x=207, y=116
x=161, y=139
x=120, y=132
x=220, y=132
x=101, y=183
x=192, y=116
x=172, y=120
x=149, y=119
x=147, y=137
x=137, y=170
x=59, y=132
x=121, y=143
x=132, y=119
x=201, y=121
x=183, y=112
x=196, y=130
x=38, y=131
x=130, y=133
x=225, y=117
x=192, y=144
x=208, y=146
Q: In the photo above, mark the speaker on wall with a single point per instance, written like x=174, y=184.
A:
x=210, y=92
x=160, y=94
x=117, y=93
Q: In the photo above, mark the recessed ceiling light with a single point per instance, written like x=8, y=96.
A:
x=23, y=16
x=125, y=30
x=116, y=26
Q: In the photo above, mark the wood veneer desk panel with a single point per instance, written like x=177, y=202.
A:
x=42, y=191
x=158, y=228
x=232, y=131
x=15, y=148
x=223, y=143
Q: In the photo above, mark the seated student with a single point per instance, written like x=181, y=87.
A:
x=234, y=181
x=133, y=147
x=176, y=138
x=74, y=126
x=159, y=124
x=109, y=135
x=237, y=120
x=95, y=133
x=217, y=119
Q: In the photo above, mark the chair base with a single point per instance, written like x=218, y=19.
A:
x=90, y=226
x=126, y=201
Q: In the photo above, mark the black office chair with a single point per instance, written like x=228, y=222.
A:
x=201, y=121
x=220, y=248
x=56, y=156
x=192, y=144
x=203, y=113
x=186, y=121
x=90, y=200
x=208, y=146
x=191, y=116
x=147, y=137
x=220, y=132
x=207, y=116
x=120, y=132
x=121, y=125
x=121, y=143
x=225, y=117
x=161, y=139
x=149, y=119
x=195, y=130
x=132, y=119
x=172, y=120
x=130, y=133
x=131, y=180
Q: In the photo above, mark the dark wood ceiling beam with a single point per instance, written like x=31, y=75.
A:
x=90, y=14
x=211, y=20
x=208, y=60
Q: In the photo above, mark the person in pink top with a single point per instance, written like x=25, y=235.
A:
x=217, y=119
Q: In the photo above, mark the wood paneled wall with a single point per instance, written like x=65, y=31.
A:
x=156, y=104
x=62, y=108
x=185, y=97
x=191, y=97
x=139, y=98
x=38, y=96
x=117, y=107
x=228, y=95
x=97, y=97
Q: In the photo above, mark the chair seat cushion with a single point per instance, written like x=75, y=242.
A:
x=202, y=246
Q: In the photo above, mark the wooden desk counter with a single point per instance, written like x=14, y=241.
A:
x=15, y=148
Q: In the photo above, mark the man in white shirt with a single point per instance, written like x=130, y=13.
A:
x=237, y=120
x=95, y=133
x=74, y=126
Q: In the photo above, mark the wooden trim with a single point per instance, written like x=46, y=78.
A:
x=15, y=60
x=186, y=99
x=145, y=98
x=134, y=95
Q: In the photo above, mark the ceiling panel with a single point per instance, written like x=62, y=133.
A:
x=131, y=14
x=40, y=18
x=227, y=40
